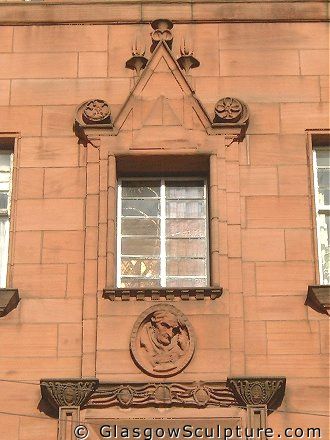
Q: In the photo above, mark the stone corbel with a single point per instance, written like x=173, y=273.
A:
x=9, y=299
x=318, y=298
x=258, y=391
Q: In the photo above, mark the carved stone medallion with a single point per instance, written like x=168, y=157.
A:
x=96, y=111
x=228, y=110
x=162, y=341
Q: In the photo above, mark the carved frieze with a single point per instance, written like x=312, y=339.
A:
x=258, y=390
x=184, y=394
x=162, y=294
x=162, y=341
x=67, y=392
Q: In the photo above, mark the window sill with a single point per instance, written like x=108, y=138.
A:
x=9, y=299
x=162, y=293
x=318, y=298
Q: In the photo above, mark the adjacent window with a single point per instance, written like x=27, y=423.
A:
x=162, y=229
x=322, y=202
x=5, y=193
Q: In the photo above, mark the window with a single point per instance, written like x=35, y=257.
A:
x=322, y=204
x=162, y=230
x=5, y=192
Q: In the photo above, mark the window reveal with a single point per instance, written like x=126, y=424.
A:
x=162, y=232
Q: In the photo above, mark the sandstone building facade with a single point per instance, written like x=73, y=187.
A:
x=164, y=216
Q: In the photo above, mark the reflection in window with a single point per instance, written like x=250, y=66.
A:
x=5, y=191
x=162, y=233
x=322, y=201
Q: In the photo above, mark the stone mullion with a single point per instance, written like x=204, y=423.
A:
x=214, y=222
x=68, y=419
x=111, y=244
x=91, y=262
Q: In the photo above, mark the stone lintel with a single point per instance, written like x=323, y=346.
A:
x=161, y=294
x=9, y=299
x=258, y=391
x=318, y=298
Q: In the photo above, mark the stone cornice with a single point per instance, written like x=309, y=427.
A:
x=162, y=294
x=183, y=11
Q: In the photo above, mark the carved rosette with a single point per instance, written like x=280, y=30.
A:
x=229, y=110
x=258, y=390
x=96, y=111
x=182, y=394
x=67, y=392
x=162, y=341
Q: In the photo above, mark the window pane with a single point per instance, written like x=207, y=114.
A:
x=140, y=267
x=141, y=188
x=140, y=208
x=323, y=157
x=4, y=161
x=186, y=282
x=140, y=246
x=132, y=283
x=185, y=228
x=3, y=200
x=185, y=189
x=140, y=226
x=4, y=241
x=323, y=178
x=324, y=238
x=185, y=248
x=186, y=209
x=186, y=266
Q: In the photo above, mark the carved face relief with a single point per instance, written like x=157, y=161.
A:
x=162, y=341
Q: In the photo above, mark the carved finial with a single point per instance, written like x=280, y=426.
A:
x=162, y=32
x=187, y=60
x=138, y=60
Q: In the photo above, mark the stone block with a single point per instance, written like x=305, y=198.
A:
x=293, y=180
x=51, y=214
x=40, y=280
x=26, y=120
x=67, y=38
x=28, y=340
x=115, y=361
x=89, y=338
x=274, y=308
x=293, y=343
x=235, y=275
x=6, y=38
x=233, y=208
x=93, y=64
x=249, y=278
x=234, y=240
x=30, y=183
x=278, y=150
x=258, y=181
x=298, y=244
x=4, y=92
x=38, y=65
x=232, y=176
x=288, y=278
x=263, y=245
x=69, y=340
x=314, y=62
x=259, y=62
x=255, y=337
x=288, y=327
x=237, y=335
x=271, y=89
x=296, y=118
x=63, y=247
x=36, y=427
x=93, y=178
x=75, y=280
x=324, y=335
x=302, y=394
x=324, y=85
x=27, y=247
x=278, y=212
x=49, y=152
x=57, y=120
x=67, y=91
x=114, y=333
x=10, y=425
x=211, y=332
x=264, y=118
x=207, y=54
x=210, y=361
x=16, y=397
x=50, y=310
x=65, y=182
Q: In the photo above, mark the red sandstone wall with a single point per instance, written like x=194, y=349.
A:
x=279, y=70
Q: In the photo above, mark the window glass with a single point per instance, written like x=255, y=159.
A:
x=162, y=233
x=5, y=190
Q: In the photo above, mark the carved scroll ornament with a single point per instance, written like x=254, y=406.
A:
x=162, y=341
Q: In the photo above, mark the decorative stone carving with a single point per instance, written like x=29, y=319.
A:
x=258, y=390
x=318, y=298
x=184, y=394
x=162, y=341
x=67, y=392
x=187, y=60
x=162, y=32
x=138, y=60
x=9, y=299
x=96, y=111
x=228, y=110
x=161, y=294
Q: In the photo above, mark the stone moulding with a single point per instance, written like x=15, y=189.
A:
x=68, y=392
x=162, y=294
x=318, y=298
x=9, y=299
x=258, y=390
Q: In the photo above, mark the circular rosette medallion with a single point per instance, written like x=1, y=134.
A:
x=162, y=341
x=228, y=110
x=96, y=111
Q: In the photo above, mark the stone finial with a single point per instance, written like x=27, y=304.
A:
x=138, y=60
x=187, y=61
x=258, y=390
x=162, y=32
x=67, y=392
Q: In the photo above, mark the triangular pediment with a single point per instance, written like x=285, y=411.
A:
x=163, y=96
